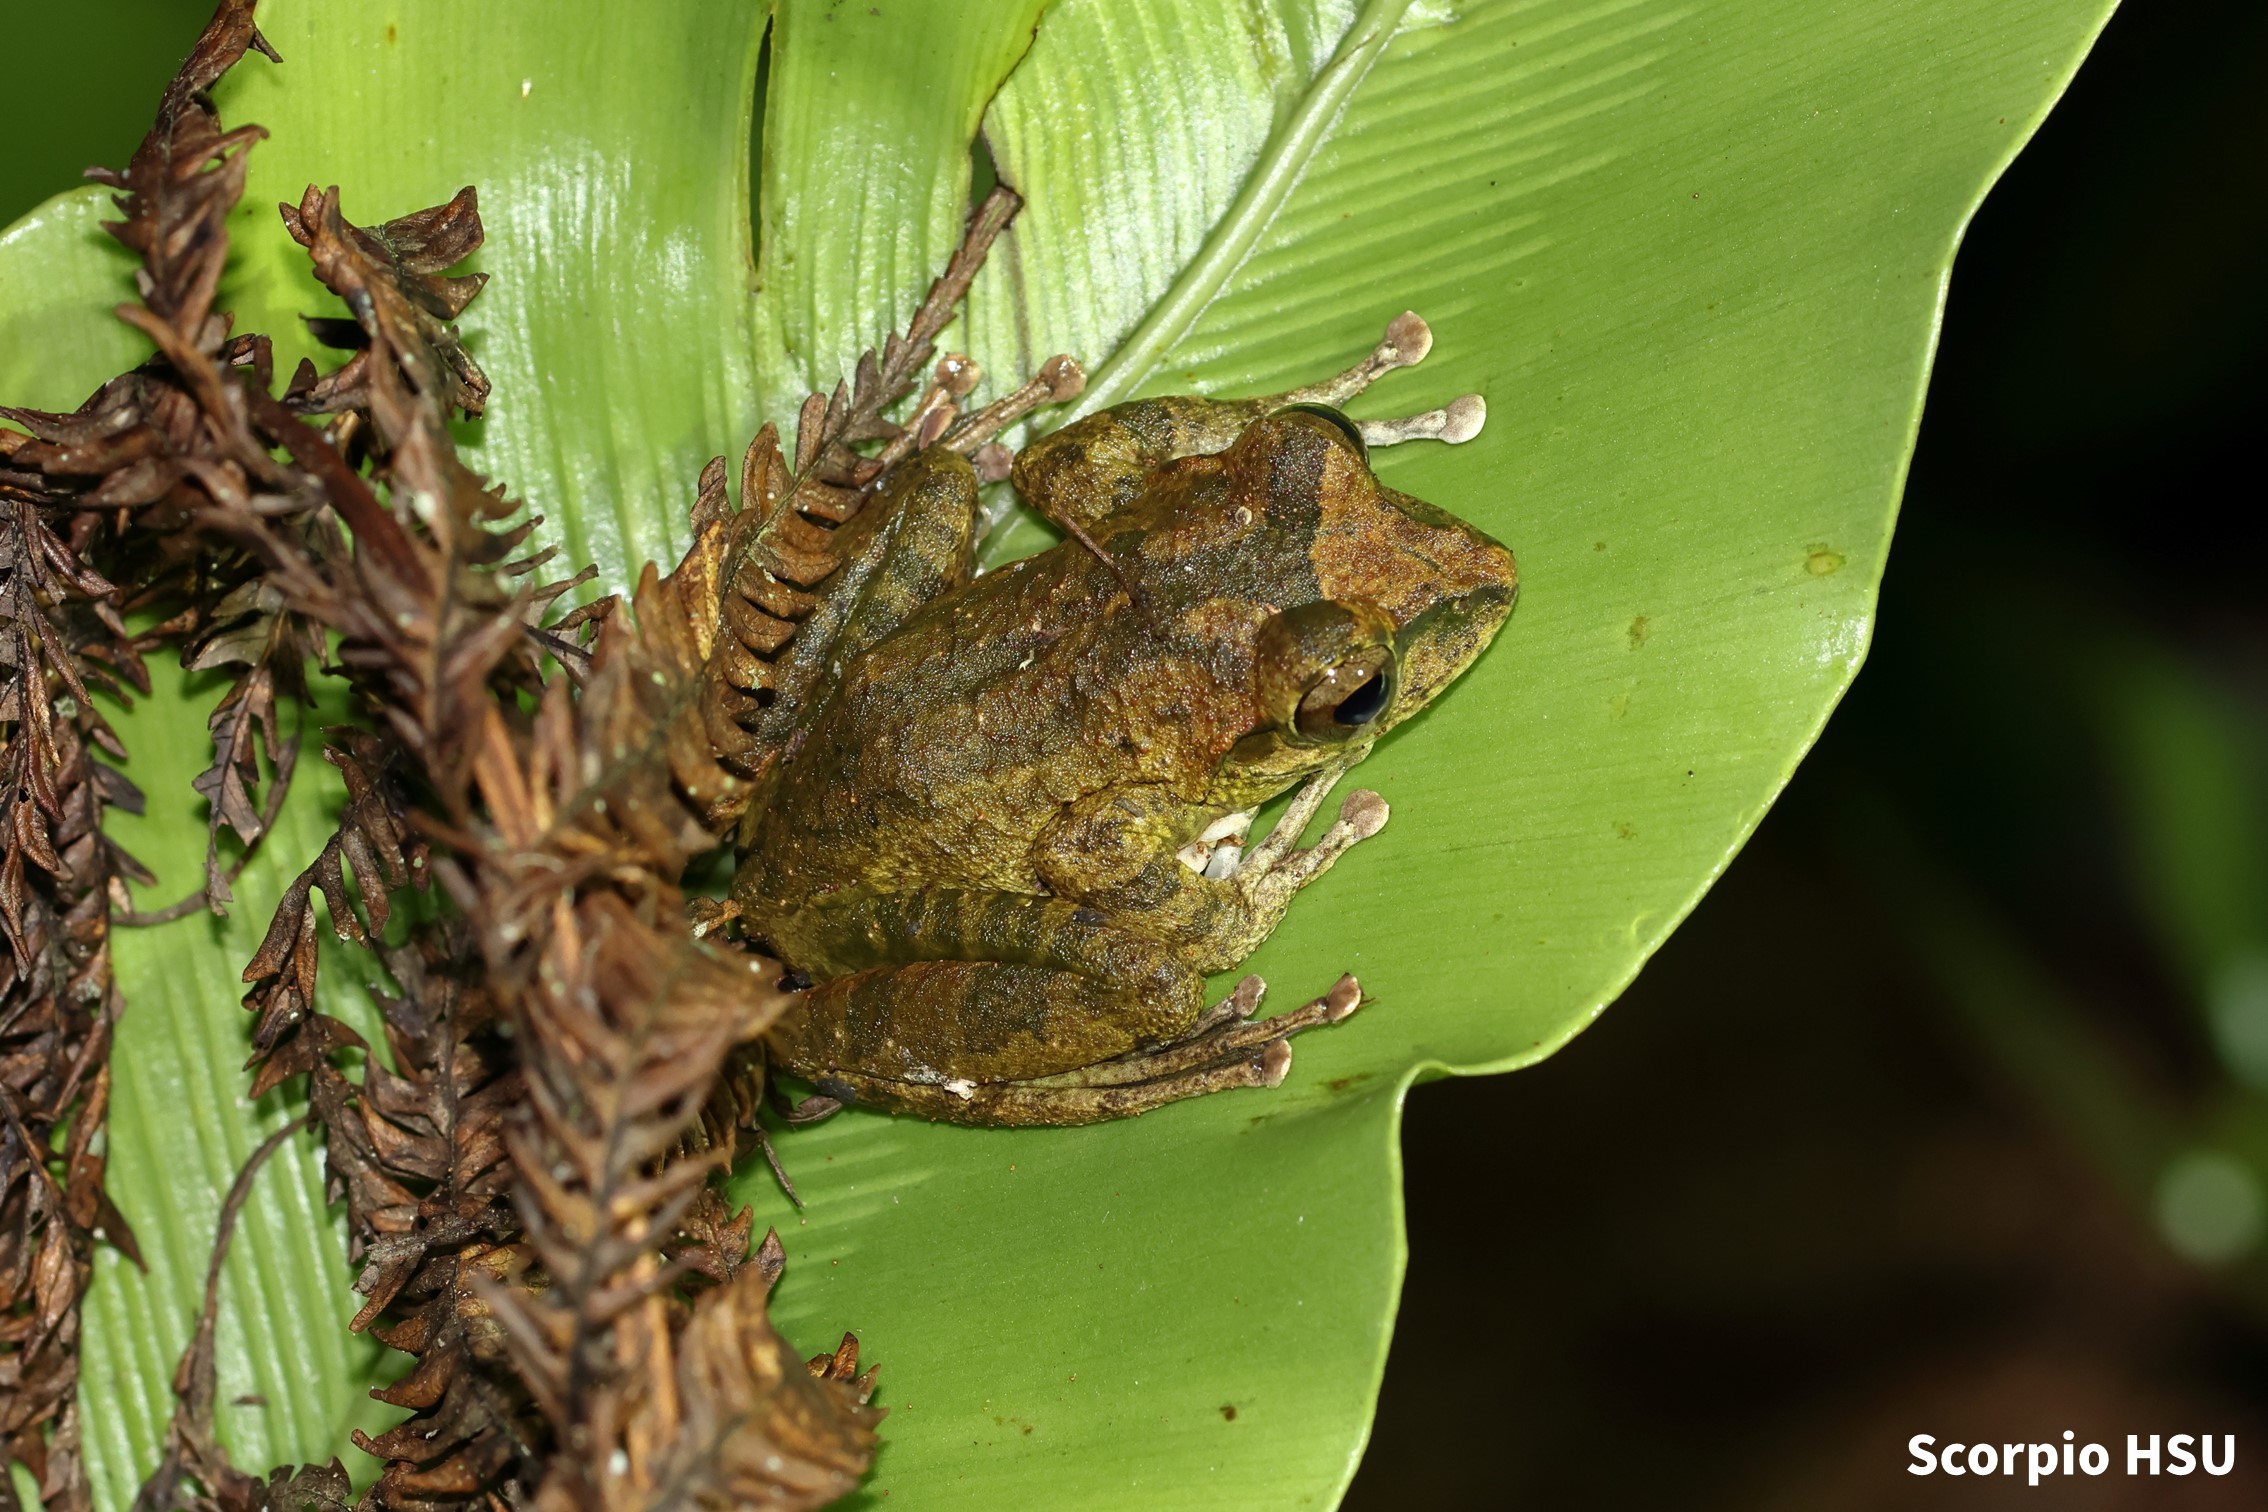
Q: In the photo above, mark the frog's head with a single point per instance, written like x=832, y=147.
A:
x=1394, y=597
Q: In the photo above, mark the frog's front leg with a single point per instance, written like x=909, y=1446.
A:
x=1145, y=853
x=1094, y=467
x=1269, y=874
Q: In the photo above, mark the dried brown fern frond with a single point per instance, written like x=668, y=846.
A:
x=58, y=1002
x=156, y=461
x=744, y=1423
x=395, y=277
x=71, y=488
x=172, y=475
x=560, y=836
x=185, y=177
x=587, y=817
x=421, y=1150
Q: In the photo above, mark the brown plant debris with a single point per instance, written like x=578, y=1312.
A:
x=58, y=1002
x=142, y=465
x=559, y=821
x=72, y=489
x=558, y=814
x=568, y=1059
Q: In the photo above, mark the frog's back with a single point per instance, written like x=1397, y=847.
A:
x=950, y=745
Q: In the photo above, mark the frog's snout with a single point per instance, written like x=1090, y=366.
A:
x=1447, y=557
x=1469, y=583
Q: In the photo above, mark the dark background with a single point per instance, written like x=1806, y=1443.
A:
x=1805, y=1197
x=1879, y=1143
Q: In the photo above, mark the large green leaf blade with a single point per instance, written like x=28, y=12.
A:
x=1132, y=132
x=1694, y=258
x=292, y=1378
x=60, y=273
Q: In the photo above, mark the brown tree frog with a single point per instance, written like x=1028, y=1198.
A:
x=1008, y=846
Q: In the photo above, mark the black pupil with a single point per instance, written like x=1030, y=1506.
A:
x=1364, y=704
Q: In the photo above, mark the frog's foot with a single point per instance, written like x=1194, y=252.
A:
x=1226, y=1048
x=1456, y=422
x=1408, y=338
x=1405, y=344
x=1059, y=380
x=937, y=415
x=1224, y=1037
x=1272, y=871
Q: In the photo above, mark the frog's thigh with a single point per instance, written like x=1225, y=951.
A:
x=987, y=987
x=924, y=544
x=1094, y=467
x=973, y=1021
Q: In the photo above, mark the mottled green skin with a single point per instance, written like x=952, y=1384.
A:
x=973, y=848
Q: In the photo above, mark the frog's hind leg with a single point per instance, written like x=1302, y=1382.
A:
x=1224, y=1050
x=997, y=1008
x=1408, y=338
x=1096, y=466
x=919, y=542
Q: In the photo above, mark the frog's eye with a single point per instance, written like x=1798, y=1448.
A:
x=1349, y=696
x=1326, y=671
x=1345, y=427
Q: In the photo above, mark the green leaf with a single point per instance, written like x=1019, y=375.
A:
x=1694, y=257
x=58, y=272
x=867, y=122
x=610, y=149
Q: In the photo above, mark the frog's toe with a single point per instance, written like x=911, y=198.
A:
x=1364, y=814
x=1227, y=1039
x=1244, y=1000
x=1408, y=338
x=1456, y=422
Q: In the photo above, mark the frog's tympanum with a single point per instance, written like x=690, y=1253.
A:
x=1008, y=844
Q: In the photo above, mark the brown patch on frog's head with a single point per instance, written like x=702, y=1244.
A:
x=1444, y=586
